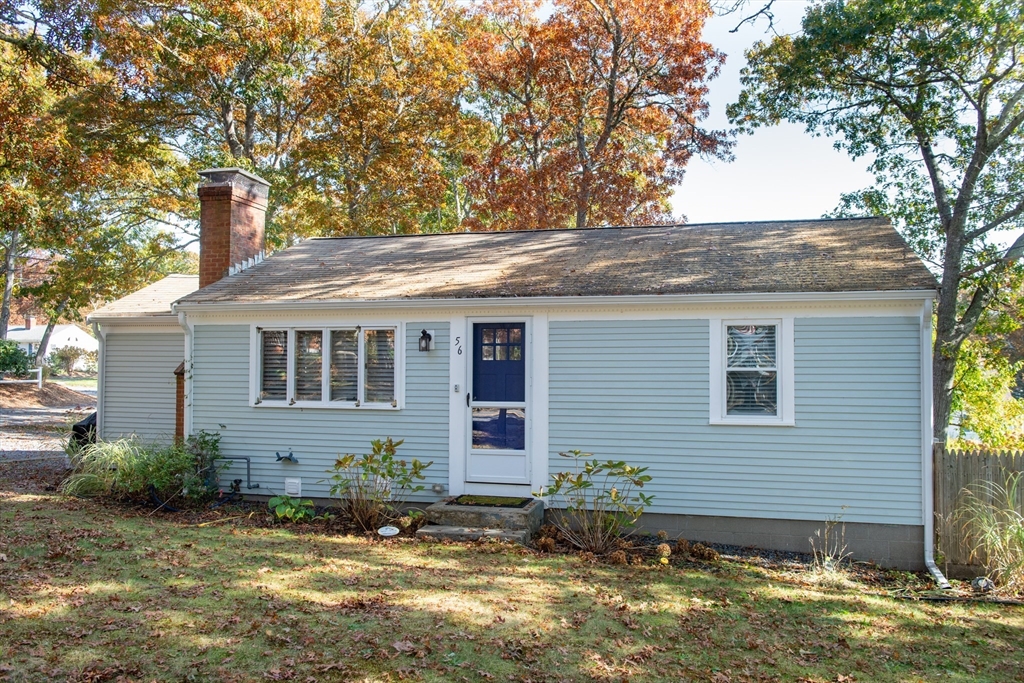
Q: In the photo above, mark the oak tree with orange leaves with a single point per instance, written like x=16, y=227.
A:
x=594, y=110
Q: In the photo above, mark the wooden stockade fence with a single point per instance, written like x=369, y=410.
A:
x=955, y=471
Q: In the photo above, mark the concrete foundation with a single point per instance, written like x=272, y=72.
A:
x=888, y=545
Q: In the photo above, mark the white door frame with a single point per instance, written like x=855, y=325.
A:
x=460, y=424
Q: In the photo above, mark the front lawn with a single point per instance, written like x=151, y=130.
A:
x=90, y=592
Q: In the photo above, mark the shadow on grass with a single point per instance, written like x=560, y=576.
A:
x=90, y=593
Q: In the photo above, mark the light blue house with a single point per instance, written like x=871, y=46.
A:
x=770, y=375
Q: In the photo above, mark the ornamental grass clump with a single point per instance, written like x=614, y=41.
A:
x=374, y=487
x=991, y=518
x=132, y=471
x=598, y=501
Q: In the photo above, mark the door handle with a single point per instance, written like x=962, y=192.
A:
x=467, y=399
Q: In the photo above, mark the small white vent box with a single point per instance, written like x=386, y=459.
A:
x=293, y=486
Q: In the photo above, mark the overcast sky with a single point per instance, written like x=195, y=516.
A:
x=780, y=172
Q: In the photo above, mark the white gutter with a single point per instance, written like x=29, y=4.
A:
x=555, y=301
x=101, y=373
x=927, y=448
x=135, y=320
x=187, y=407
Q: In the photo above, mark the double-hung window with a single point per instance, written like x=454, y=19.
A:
x=338, y=367
x=752, y=371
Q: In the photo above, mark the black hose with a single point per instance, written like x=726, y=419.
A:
x=160, y=505
x=234, y=494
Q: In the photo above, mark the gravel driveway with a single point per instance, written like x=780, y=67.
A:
x=35, y=433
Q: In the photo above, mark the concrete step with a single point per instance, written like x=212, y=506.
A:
x=477, y=516
x=439, y=532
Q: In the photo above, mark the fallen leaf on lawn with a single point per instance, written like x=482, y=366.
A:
x=403, y=646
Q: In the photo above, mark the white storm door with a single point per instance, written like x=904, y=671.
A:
x=498, y=416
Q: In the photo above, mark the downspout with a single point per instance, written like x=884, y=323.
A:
x=187, y=326
x=101, y=373
x=928, y=448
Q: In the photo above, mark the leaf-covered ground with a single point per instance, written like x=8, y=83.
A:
x=90, y=592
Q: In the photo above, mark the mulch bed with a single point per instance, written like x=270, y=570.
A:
x=50, y=396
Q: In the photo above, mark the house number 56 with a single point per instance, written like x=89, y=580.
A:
x=458, y=345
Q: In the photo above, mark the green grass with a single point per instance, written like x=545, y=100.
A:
x=93, y=592
x=76, y=383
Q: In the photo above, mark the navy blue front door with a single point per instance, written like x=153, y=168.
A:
x=499, y=362
x=498, y=404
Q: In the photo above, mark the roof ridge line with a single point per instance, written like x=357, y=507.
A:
x=601, y=227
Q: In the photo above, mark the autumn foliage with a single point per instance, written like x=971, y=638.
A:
x=594, y=110
x=367, y=117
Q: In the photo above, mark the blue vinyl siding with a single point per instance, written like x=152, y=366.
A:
x=139, y=384
x=316, y=436
x=638, y=390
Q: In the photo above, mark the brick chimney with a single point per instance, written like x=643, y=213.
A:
x=232, y=213
x=29, y=322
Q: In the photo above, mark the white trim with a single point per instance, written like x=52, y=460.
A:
x=163, y=320
x=255, y=366
x=553, y=301
x=101, y=374
x=784, y=368
x=539, y=369
x=529, y=451
x=457, y=412
x=190, y=337
x=513, y=490
x=121, y=326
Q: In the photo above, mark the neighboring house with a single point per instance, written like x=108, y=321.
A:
x=30, y=336
x=771, y=376
x=141, y=345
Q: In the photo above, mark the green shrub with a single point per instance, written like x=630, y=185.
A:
x=179, y=474
x=65, y=358
x=597, y=501
x=992, y=518
x=13, y=361
x=288, y=509
x=373, y=487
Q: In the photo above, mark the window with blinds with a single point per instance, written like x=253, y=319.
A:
x=379, y=358
x=344, y=365
x=309, y=365
x=274, y=367
x=751, y=370
x=353, y=367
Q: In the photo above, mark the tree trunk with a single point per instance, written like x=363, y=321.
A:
x=41, y=351
x=583, y=200
x=9, y=261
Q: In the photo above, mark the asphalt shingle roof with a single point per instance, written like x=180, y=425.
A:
x=793, y=256
x=156, y=299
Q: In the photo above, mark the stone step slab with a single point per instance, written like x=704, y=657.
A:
x=477, y=516
x=438, y=532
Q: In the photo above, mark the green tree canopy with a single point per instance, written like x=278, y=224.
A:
x=933, y=93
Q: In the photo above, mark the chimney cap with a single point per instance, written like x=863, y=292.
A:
x=225, y=176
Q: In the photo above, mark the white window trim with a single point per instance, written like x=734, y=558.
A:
x=256, y=361
x=785, y=368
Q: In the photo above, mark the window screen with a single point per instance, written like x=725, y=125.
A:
x=274, y=365
x=751, y=372
x=344, y=365
x=309, y=365
x=379, y=378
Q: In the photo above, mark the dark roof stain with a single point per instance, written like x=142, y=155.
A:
x=844, y=255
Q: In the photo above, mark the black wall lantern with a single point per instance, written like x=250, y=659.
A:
x=427, y=340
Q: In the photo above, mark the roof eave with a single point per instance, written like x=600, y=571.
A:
x=548, y=301
x=167, y=317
